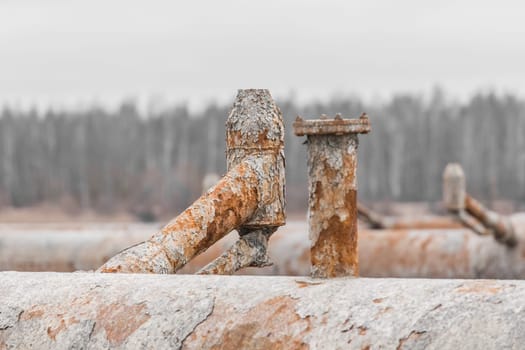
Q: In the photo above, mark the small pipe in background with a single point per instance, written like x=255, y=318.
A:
x=470, y=212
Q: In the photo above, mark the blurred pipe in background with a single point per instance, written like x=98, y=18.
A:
x=384, y=253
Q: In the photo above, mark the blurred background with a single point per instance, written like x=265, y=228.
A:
x=115, y=110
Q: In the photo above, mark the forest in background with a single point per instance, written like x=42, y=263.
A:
x=154, y=164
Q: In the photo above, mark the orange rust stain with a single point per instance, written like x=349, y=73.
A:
x=53, y=332
x=262, y=139
x=303, y=284
x=393, y=252
x=335, y=251
x=362, y=330
x=272, y=324
x=194, y=232
x=34, y=312
x=116, y=269
x=119, y=321
x=479, y=287
x=373, y=247
x=431, y=223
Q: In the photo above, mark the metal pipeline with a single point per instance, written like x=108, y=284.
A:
x=332, y=186
x=376, y=221
x=470, y=212
x=249, y=197
x=454, y=253
x=383, y=253
x=102, y=311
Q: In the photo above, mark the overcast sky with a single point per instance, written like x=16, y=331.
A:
x=65, y=52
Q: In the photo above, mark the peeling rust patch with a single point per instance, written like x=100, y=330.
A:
x=272, y=324
x=479, y=287
x=53, y=332
x=34, y=312
x=119, y=320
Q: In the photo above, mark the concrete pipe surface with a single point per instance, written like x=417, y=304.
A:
x=100, y=311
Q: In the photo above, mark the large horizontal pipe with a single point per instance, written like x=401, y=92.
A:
x=384, y=253
x=65, y=248
x=98, y=311
x=410, y=254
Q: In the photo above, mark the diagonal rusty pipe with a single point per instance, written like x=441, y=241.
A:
x=332, y=185
x=472, y=213
x=375, y=220
x=249, y=197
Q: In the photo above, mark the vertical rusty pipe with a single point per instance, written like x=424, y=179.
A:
x=332, y=185
x=255, y=128
x=454, y=187
x=248, y=197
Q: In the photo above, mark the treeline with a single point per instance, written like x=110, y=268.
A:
x=154, y=164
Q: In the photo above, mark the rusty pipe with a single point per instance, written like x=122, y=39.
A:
x=332, y=186
x=100, y=311
x=453, y=253
x=250, y=250
x=249, y=197
x=472, y=213
x=449, y=253
x=374, y=220
x=502, y=228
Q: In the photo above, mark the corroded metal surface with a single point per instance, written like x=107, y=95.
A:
x=250, y=250
x=407, y=253
x=472, y=213
x=255, y=129
x=97, y=311
x=336, y=126
x=383, y=253
x=250, y=196
x=332, y=201
x=378, y=221
x=223, y=208
x=502, y=228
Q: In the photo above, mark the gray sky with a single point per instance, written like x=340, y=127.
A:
x=66, y=52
